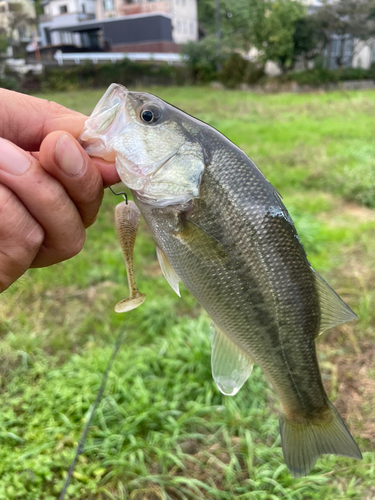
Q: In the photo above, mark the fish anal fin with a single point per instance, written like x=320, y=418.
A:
x=231, y=366
x=304, y=442
x=333, y=310
x=169, y=273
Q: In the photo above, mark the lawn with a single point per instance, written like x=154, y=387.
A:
x=163, y=430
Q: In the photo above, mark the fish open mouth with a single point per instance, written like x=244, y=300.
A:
x=105, y=122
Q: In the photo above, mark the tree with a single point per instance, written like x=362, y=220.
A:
x=309, y=39
x=345, y=20
x=268, y=25
x=275, y=30
x=19, y=18
x=3, y=41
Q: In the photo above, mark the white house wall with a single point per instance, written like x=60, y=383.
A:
x=363, y=54
x=184, y=16
x=73, y=7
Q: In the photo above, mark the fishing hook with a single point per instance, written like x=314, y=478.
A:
x=119, y=194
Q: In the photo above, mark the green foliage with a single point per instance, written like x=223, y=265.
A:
x=269, y=25
x=3, y=43
x=237, y=70
x=322, y=76
x=162, y=429
x=343, y=18
x=275, y=31
x=10, y=83
x=99, y=75
x=308, y=39
x=202, y=59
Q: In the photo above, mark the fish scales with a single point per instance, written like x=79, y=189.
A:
x=222, y=230
x=270, y=301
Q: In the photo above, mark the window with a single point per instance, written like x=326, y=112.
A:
x=184, y=24
x=47, y=34
x=191, y=28
x=108, y=5
x=66, y=38
x=183, y=3
x=178, y=27
x=63, y=9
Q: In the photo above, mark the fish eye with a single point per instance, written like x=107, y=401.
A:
x=150, y=114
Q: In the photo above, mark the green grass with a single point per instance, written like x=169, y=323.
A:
x=162, y=429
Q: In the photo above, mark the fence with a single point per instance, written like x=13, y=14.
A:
x=96, y=57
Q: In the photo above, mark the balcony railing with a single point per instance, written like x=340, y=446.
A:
x=127, y=10
x=97, y=57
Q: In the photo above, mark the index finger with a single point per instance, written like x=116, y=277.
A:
x=27, y=120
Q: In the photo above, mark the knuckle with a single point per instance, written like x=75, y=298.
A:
x=78, y=245
x=17, y=227
x=54, y=196
x=75, y=245
x=34, y=239
x=6, y=196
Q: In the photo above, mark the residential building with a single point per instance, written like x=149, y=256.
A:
x=64, y=13
x=349, y=50
x=119, y=25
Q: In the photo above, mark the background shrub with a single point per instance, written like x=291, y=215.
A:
x=237, y=70
x=202, y=59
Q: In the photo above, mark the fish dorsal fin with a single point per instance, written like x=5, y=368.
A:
x=333, y=309
x=231, y=367
x=169, y=273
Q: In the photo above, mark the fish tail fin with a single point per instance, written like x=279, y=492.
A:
x=303, y=443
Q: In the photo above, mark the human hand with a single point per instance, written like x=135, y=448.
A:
x=50, y=189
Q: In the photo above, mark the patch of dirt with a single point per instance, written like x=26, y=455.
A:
x=349, y=378
x=347, y=353
x=343, y=210
x=89, y=294
x=359, y=212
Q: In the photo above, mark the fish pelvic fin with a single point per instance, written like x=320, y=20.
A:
x=304, y=442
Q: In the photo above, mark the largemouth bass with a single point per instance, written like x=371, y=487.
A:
x=222, y=230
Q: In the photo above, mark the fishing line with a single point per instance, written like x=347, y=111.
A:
x=99, y=395
x=119, y=194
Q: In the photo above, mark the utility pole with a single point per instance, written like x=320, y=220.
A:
x=218, y=34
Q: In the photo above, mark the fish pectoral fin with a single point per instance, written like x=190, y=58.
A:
x=333, y=309
x=231, y=366
x=169, y=273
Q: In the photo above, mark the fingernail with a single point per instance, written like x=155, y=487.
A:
x=12, y=159
x=68, y=155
